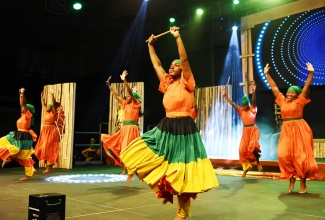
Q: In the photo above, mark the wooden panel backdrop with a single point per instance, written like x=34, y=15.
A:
x=65, y=94
x=215, y=122
x=113, y=104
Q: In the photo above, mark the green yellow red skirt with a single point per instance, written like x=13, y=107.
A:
x=18, y=145
x=171, y=159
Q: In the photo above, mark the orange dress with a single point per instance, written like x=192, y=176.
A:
x=113, y=145
x=295, y=147
x=47, y=147
x=249, y=146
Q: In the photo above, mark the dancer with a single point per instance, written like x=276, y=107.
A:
x=18, y=145
x=113, y=145
x=171, y=157
x=47, y=147
x=295, y=148
x=249, y=147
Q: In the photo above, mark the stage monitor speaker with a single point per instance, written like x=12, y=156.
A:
x=46, y=206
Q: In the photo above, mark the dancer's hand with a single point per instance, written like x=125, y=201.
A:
x=21, y=91
x=124, y=73
x=266, y=69
x=175, y=31
x=152, y=39
x=108, y=81
x=310, y=67
x=253, y=86
x=223, y=91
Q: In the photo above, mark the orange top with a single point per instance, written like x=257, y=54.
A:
x=49, y=118
x=25, y=120
x=131, y=111
x=178, y=95
x=293, y=109
x=247, y=117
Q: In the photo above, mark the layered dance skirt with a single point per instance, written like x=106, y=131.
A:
x=171, y=159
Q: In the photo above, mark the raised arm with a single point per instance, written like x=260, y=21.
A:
x=22, y=100
x=154, y=58
x=128, y=89
x=186, y=69
x=305, y=91
x=53, y=109
x=253, y=88
x=223, y=92
x=272, y=84
x=108, y=84
x=42, y=100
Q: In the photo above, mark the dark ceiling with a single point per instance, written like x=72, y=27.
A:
x=36, y=24
x=39, y=23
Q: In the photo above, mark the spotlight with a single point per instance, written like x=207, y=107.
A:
x=171, y=20
x=199, y=11
x=234, y=28
x=77, y=6
x=236, y=2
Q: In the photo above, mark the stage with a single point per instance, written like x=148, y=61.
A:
x=99, y=192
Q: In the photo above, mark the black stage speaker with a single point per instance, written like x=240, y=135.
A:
x=46, y=206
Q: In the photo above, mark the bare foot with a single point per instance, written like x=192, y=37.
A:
x=303, y=187
x=124, y=170
x=24, y=178
x=244, y=174
x=129, y=179
x=259, y=166
x=46, y=170
x=292, y=184
x=5, y=162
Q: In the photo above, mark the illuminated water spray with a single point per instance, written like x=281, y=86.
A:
x=224, y=127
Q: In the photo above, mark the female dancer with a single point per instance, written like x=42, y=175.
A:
x=295, y=148
x=113, y=145
x=171, y=157
x=249, y=147
x=47, y=147
x=18, y=145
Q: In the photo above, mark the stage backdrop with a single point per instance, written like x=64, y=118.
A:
x=215, y=121
x=120, y=89
x=66, y=95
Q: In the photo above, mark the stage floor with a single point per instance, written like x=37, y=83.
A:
x=107, y=196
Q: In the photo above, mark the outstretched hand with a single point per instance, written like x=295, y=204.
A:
x=152, y=39
x=108, y=81
x=266, y=69
x=310, y=67
x=253, y=86
x=21, y=91
x=174, y=31
x=124, y=73
x=223, y=91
